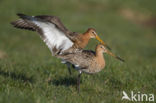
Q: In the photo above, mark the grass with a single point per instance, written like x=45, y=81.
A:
x=29, y=74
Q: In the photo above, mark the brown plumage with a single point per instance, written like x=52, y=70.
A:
x=56, y=36
x=32, y=23
x=88, y=61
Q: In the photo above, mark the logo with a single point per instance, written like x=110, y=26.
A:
x=137, y=96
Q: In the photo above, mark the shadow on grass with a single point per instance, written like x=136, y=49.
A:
x=16, y=76
x=67, y=81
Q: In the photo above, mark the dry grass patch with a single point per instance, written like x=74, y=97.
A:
x=2, y=54
x=138, y=17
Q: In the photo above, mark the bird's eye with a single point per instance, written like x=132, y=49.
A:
x=101, y=47
x=92, y=32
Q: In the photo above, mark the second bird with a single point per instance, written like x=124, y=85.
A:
x=88, y=61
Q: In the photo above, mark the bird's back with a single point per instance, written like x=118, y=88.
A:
x=85, y=60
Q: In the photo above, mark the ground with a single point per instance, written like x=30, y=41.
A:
x=29, y=74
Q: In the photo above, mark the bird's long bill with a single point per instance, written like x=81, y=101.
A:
x=110, y=53
x=102, y=42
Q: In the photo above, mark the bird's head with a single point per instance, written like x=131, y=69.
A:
x=103, y=49
x=92, y=33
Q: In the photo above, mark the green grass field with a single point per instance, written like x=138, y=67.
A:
x=29, y=74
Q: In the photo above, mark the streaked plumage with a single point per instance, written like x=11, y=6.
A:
x=56, y=36
x=88, y=61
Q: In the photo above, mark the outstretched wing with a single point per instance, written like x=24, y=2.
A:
x=50, y=28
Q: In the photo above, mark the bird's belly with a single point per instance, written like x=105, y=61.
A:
x=92, y=70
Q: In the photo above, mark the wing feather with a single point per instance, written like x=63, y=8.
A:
x=54, y=37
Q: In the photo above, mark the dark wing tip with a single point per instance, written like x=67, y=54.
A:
x=12, y=23
x=22, y=25
x=23, y=16
x=120, y=59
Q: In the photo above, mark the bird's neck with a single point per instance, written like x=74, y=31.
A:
x=100, y=59
x=84, y=40
x=99, y=54
x=86, y=36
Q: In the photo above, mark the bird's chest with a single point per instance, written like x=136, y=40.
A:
x=81, y=42
x=95, y=67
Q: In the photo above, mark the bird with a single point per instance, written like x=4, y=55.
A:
x=56, y=36
x=88, y=61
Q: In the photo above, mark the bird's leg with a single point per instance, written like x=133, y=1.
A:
x=68, y=66
x=73, y=66
x=78, y=81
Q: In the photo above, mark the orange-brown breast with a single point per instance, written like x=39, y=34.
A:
x=101, y=62
x=100, y=59
x=82, y=41
x=96, y=65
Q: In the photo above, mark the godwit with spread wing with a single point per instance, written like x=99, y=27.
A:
x=56, y=36
x=88, y=61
